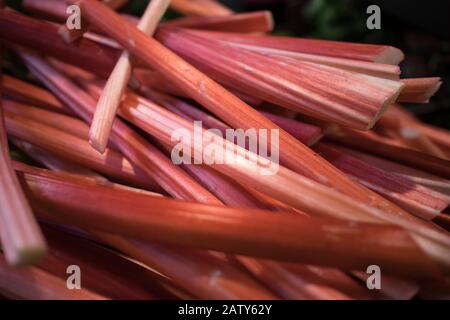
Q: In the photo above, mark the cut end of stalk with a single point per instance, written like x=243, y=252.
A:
x=390, y=55
x=409, y=133
x=397, y=87
x=270, y=21
x=27, y=255
x=97, y=144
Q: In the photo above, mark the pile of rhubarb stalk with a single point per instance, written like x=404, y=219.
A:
x=361, y=181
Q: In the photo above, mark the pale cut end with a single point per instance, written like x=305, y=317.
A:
x=397, y=86
x=70, y=36
x=390, y=55
x=28, y=255
x=434, y=88
x=97, y=143
x=270, y=21
x=409, y=133
x=315, y=139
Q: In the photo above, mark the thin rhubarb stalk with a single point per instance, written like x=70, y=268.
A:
x=397, y=118
x=248, y=232
x=414, y=198
x=77, y=150
x=331, y=94
x=420, y=177
x=298, y=285
x=35, y=284
x=306, y=133
x=66, y=123
x=201, y=8
x=38, y=34
x=338, y=49
x=22, y=240
x=30, y=94
x=376, y=145
x=109, y=100
x=53, y=162
x=154, y=80
x=103, y=270
x=200, y=274
x=381, y=70
x=419, y=90
x=414, y=139
x=54, y=10
x=249, y=22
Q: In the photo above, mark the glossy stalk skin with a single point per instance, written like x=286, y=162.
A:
x=226, y=229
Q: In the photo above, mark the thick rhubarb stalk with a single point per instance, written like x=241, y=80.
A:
x=264, y=234
x=112, y=92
